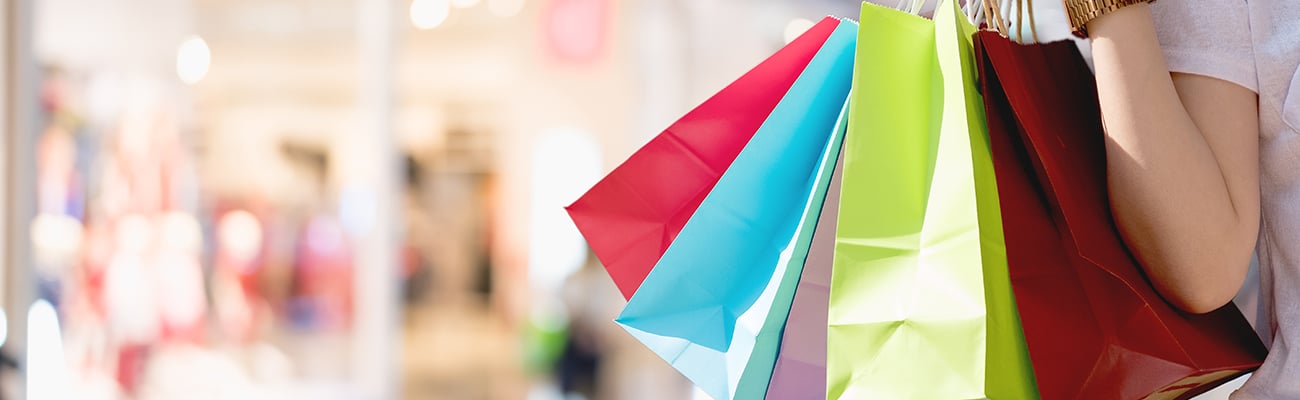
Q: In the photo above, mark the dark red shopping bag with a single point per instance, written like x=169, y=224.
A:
x=631, y=216
x=1094, y=325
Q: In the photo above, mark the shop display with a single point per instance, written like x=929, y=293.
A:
x=140, y=264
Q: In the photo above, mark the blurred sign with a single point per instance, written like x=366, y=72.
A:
x=576, y=30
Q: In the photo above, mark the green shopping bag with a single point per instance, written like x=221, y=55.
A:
x=921, y=303
x=1009, y=373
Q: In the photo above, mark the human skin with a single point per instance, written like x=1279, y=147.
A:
x=1182, y=164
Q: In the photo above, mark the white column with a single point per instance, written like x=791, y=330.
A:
x=5, y=149
x=372, y=163
x=661, y=61
x=19, y=80
x=17, y=161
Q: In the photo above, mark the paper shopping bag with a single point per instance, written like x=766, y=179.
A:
x=1008, y=372
x=800, y=371
x=919, y=235
x=632, y=215
x=715, y=303
x=1095, y=327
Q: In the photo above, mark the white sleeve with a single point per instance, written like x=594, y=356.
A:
x=1207, y=37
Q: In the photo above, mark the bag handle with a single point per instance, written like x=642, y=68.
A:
x=989, y=12
x=997, y=21
x=913, y=7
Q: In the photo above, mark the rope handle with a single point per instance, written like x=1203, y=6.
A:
x=997, y=21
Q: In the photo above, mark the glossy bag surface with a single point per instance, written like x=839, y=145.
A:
x=918, y=236
x=715, y=304
x=632, y=215
x=800, y=371
x=1095, y=327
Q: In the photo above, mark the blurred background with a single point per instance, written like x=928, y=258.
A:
x=336, y=199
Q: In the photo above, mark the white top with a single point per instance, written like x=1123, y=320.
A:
x=1256, y=43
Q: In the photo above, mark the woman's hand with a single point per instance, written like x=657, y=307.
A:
x=1182, y=164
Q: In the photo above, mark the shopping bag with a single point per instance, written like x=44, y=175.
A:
x=1008, y=372
x=919, y=232
x=715, y=303
x=800, y=370
x=1095, y=327
x=632, y=215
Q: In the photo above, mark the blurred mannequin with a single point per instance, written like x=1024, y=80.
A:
x=322, y=267
x=240, y=247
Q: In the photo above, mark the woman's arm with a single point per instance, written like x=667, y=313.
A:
x=1182, y=164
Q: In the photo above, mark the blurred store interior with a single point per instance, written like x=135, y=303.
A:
x=336, y=199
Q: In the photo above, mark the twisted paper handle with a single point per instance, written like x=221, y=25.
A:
x=995, y=20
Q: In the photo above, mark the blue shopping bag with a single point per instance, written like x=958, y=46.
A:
x=715, y=304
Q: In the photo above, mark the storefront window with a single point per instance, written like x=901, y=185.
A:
x=337, y=198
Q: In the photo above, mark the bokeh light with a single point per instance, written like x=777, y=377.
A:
x=796, y=27
x=46, y=364
x=464, y=3
x=428, y=14
x=505, y=8
x=240, y=235
x=4, y=328
x=192, y=60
